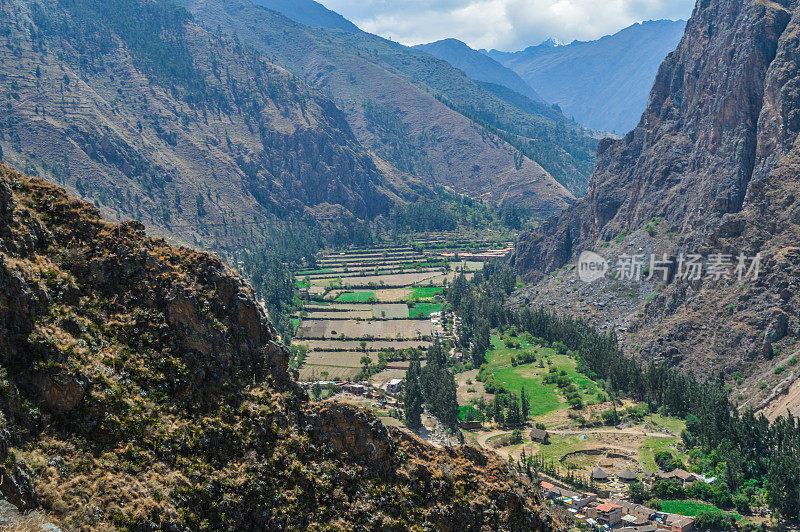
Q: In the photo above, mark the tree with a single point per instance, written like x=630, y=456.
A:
x=666, y=461
x=669, y=489
x=742, y=503
x=481, y=342
x=413, y=395
x=637, y=492
x=525, y=406
x=714, y=520
x=316, y=391
x=513, y=418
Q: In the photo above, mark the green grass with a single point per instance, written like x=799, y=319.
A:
x=425, y=292
x=652, y=445
x=692, y=508
x=544, y=398
x=356, y=297
x=674, y=425
x=561, y=445
x=423, y=310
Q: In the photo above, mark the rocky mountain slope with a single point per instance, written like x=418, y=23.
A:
x=479, y=66
x=420, y=114
x=711, y=169
x=154, y=115
x=142, y=388
x=139, y=110
x=603, y=84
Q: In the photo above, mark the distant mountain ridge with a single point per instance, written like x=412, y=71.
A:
x=419, y=114
x=602, y=84
x=310, y=13
x=478, y=66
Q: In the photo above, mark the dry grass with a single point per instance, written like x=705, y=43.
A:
x=33, y=522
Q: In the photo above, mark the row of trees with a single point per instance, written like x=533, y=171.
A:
x=433, y=386
x=479, y=304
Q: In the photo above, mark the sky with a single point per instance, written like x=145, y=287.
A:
x=503, y=24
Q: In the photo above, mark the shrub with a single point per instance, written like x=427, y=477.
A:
x=742, y=503
x=668, y=489
x=666, y=461
x=714, y=520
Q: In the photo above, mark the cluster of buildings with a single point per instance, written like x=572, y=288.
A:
x=617, y=514
x=684, y=477
x=391, y=386
x=438, y=320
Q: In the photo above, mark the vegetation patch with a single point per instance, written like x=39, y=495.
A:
x=356, y=297
x=424, y=310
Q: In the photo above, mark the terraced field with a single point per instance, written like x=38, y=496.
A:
x=377, y=301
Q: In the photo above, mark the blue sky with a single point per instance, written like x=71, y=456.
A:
x=503, y=24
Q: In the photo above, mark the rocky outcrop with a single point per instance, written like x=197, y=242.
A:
x=353, y=433
x=711, y=168
x=147, y=379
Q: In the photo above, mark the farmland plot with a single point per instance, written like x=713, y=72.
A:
x=405, y=329
x=341, y=359
x=392, y=280
x=313, y=373
x=372, y=345
x=339, y=315
x=390, y=311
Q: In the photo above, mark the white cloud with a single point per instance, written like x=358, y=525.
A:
x=503, y=24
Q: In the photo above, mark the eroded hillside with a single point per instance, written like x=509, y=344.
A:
x=143, y=388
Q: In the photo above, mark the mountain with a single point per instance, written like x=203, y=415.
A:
x=478, y=66
x=710, y=170
x=147, y=379
x=418, y=113
x=225, y=140
x=138, y=109
x=603, y=84
x=310, y=13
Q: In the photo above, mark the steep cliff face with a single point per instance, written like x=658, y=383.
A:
x=142, y=388
x=711, y=168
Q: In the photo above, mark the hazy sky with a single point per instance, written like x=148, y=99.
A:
x=503, y=24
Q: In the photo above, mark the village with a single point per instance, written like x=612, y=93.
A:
x=607, y=510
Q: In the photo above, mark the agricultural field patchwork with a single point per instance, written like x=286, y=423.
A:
x=368, y=300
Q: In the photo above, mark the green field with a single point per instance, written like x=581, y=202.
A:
x=356, y=297
x=692, y=508
x=314, y=272
x=425, y=292
x=423, y=310
x=544, y=398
